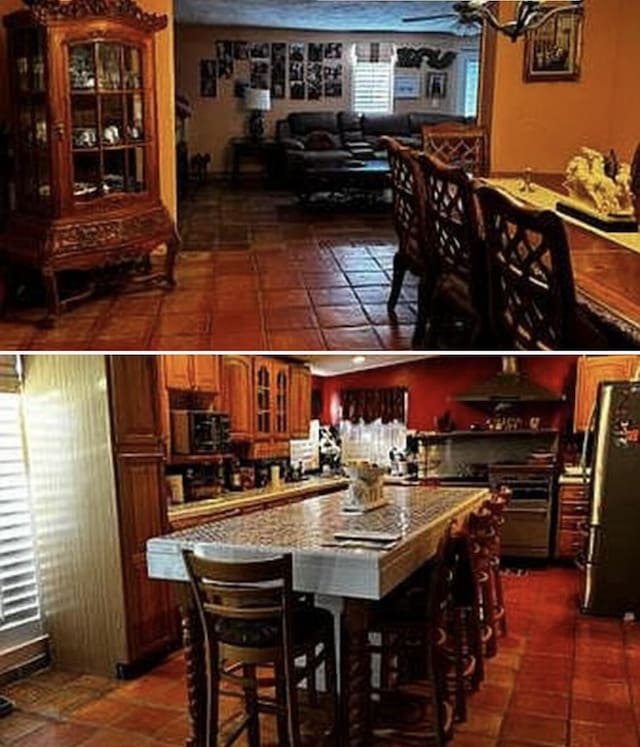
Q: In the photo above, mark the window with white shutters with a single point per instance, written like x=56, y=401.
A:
x=471, y=85
x=19, y=603
x=372, y=79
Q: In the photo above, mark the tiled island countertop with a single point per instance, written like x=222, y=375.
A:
x=306, y=529
x=248, y=499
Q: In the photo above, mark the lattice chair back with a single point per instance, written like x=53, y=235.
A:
x=458, y=145
x=408, y=200
x=453, y=237
x=531, y=280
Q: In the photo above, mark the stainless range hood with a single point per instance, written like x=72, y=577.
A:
x=509, y=385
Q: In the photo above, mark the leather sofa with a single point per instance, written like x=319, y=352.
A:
x=317, y=139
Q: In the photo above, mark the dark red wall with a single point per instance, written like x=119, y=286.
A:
x=432, y=383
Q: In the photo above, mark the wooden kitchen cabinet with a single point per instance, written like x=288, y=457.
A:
x=237, y=395
x=300, y=408
x=573, y=511
x=138, y=456
x=592, y=370
x=200, y=373
x=280, y=373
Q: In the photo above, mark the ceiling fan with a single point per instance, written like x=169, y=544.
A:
x=529, y=15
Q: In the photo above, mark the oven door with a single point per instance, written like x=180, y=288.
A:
x=525, y=533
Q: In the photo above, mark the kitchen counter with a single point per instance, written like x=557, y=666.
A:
x=248, y=499
x=344, y=579
x=418, y=515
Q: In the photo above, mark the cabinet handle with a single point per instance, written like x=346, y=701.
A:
x=58, y=129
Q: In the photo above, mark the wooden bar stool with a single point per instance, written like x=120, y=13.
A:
x=430, y=643
x=483, y=534
x=250, y=620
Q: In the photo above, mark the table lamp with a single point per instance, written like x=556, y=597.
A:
x=257, y=101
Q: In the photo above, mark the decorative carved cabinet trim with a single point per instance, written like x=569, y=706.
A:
x=82, y=82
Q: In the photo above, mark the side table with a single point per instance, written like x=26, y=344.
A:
x=268, y=151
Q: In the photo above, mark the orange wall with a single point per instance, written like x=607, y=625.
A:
x=542, y=125
x=625, y=112
x=165, y=77
x=216, y=121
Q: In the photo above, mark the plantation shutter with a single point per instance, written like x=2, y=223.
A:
x=372, y=86
x=471, y=84
x=19, y=604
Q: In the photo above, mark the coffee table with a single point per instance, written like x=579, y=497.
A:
x=350, y=179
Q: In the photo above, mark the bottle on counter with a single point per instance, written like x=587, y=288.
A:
x=235, y=476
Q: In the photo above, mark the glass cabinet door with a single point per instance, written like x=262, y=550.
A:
x=282, y=402
x=263, y=399
x=32, y=126
x=108, y=116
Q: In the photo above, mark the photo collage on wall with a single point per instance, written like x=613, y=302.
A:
x=296, y=70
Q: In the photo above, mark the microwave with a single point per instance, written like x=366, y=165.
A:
x=199, y=432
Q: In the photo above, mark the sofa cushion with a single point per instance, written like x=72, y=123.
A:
x=385, y=124
x=321, y=140
x=350, y=125
x=302, y=123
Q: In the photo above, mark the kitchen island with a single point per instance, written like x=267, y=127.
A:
x=344, y=579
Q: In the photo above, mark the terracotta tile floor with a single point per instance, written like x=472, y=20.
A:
x=258, y=271
x=559, y=680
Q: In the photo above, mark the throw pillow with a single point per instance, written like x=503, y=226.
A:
x=320, y=140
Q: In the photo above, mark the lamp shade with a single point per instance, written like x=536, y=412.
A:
x=257, y=99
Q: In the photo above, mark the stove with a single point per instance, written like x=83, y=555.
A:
x=527, y=529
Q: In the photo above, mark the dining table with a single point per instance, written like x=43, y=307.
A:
x=606, y=265
x=347, y=561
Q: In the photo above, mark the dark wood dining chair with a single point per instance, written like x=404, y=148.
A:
x=407, y=216
x=251, y=621
x=533, y=300
x=455, y=253
x=456, y=144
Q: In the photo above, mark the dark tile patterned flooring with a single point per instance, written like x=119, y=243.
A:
x=258, y=272
x=559, y=680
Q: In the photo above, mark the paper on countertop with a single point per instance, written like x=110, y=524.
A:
x=364, y=534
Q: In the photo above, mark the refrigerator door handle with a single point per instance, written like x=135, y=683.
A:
x=594, y=542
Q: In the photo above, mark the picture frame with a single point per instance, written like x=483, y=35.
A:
x=436, y=86
x=407, y=85
x=554, y=51
x=209, y=79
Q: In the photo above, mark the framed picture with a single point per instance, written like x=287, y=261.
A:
x=407, y=85
x=553, y=51
x=436, y=86
x=209, y=78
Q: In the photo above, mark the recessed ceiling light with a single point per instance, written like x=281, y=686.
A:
x=357, y=359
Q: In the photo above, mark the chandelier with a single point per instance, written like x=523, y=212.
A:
x=529, y=14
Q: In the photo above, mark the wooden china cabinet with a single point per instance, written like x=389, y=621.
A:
x=86, y=142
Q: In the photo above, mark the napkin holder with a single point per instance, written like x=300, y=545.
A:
x=365, y=491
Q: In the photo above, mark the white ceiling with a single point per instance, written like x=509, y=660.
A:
x=318, y=15
x=330, y=364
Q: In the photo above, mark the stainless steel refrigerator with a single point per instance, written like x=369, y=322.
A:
x=612, y=553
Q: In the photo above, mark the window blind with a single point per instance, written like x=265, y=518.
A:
x=19, y=603
x=373, y=87
x=471, y=85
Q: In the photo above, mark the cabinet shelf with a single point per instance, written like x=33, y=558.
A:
x=105, y=91
x=178, y=460
x=122, y=146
